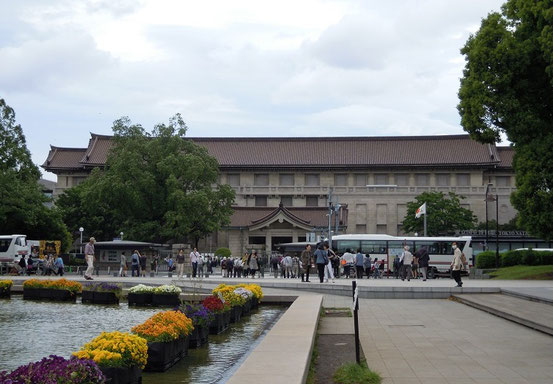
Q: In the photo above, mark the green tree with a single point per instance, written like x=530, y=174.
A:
x=444, y=214
x=156, y=186
x=507, y=88
x=22, y=208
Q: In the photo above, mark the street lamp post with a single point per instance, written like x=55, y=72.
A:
x=486, y=199
x=81, y=229
x=496, y=230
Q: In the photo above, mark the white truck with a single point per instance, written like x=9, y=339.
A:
x=12, y=247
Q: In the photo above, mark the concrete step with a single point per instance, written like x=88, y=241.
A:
x=541, y=295
x=531, y=314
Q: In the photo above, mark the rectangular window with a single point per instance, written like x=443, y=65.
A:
x=381, y=229
x=286, y=201
x=374, y=247
x=312, y=179
x=402, y=179
x=422, y=179
x=381, y=179
x=361, y=180
x=343, y=245
x=301, y=239
x=311, y=201
x=261, y=201
x=340, y=179
x=503, y=181
x=442, y=179
x=78, y=180
x=463, y=179
x=113, y=257
x=256, y=240
x=261, y=179
x=361, y=228
x=286, y=179
x=233, y=179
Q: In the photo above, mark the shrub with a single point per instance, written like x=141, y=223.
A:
x=546, y=258
x=510, y=258
x=485, y=260
x=223, y=252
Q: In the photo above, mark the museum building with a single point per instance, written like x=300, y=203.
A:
x=284, y=185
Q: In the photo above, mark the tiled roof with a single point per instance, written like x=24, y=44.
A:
x=64, y=158
x=247, y=216
x=506, y=155
x=327, y=152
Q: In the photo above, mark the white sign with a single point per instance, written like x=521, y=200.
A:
x=355, y=298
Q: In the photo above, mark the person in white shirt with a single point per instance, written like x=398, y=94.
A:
x=457, y=264
x=407, y=258
x=194, y=261
x=349, y=259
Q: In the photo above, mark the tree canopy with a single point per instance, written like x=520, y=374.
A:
x=22, y=208
x=444, y=214
x=157, y=186
x=507, y=88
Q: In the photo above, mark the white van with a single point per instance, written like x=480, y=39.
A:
x=12, y=247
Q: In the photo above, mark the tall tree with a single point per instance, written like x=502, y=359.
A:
x=507, y=87
x=156, y=186
x=444, y=214
x=22, y=208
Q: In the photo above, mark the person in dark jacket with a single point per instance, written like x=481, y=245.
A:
x=321, y=259
x=424, y=258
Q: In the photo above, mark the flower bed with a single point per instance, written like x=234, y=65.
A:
x=166, y=295
x=228, y=295
x=102, y=293
x=255, y=290
x=5, y=288
x=140, y=295
x=167, y=335
x=247, y=295
x=221, y=312
x=59, y=290
x=201, y=318
x=120, y=356
x=56, y=370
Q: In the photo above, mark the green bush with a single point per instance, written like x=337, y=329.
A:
x=223, y=252
x=544, y=258
x=485, y=260
x=511, y=258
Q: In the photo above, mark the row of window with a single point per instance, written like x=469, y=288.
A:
x=361, y=179
x=382, y=247
x=287, y=201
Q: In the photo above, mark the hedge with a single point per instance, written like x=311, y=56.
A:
x=486, y=259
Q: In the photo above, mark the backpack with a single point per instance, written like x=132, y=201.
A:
x=463, y=258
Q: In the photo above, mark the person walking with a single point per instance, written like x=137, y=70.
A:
x=274, y=265
x=58, y=264
x=181, y=259
x=329, y=273
x=194, y=255
x=209, y=265
x=89, y=257
x=306, y=263
x=201, y=263
x=407, y=258
x=135, y=263
x=376, y=268
x=142, y=259
x=155, y=262
x=424, y=258
x=295, y=267
x=397, y=266
x=321, y=259
x=415, y=267
x=253, y=263
x=457, y=264
x=367, y=265
x=288, y=263
x=359, y=264
x=123, y=265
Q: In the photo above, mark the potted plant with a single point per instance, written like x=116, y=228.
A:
x=247, y=296
x=201, y=319
x=167, y=335
x=5, y=288
x=120, y=356
x=101, y=293
x=56, y=369
x=140, y=295
x=255, y=289
x=59, y=290
x=166, y=295
x=221, y=314
x=235, y=301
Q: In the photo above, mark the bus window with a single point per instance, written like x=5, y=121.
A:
x=372, y=247
x=5, y=244
x=445, y=248
x=433, y=247
x=352, y=245
x=20, y=241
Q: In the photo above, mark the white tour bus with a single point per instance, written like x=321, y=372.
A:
x=386, y=247
x=12, y=247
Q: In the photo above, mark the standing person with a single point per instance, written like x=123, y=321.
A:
x=89, y=257
x=135, y=263
x=22, y=264
x=123, y=265
x=155, y=262
x=288, y=263
x=295, y=267
x=58, y=264
x=194, y=255
x=329, y=273
x=397, y=266
x=359, y=264
x=422, y=256
x=321, y=259
x=261, y=266
x=209, y=266
x=180, y=263
x=170, y=263
x=274, y=265
x=415, y=267
x=253, y=263
x=407, y=258
x=306, y=263
x=376, y=266
x=367, y=265
x=457, y=264
x=142, y=259
x=246, y=264
x=201, y=263
x=347, y=261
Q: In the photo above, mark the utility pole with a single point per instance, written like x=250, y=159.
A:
x=329, y=216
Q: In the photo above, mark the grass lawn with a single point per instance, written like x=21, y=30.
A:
x=524, y=272
x=352, y=373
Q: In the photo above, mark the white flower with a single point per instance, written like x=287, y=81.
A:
x=141, y=288
x=243, y=292
x=168, y=289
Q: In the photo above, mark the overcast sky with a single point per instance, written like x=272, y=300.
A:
x=234, y=68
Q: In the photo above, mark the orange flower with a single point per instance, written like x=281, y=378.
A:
x=164, y=326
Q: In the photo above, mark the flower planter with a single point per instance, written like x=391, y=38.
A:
x=165, y=300
x=255, y=302
x=219, y=324
x=227, y=316
x=246, y=307
x=48, y=294
x=163, y=355
x=198, y=337
x=130, y=375
x=96, y=297
x=87, y=296
x=63, y=295
x=236, y=314
x=141, y=299
x=5, y=293
x=32, y=293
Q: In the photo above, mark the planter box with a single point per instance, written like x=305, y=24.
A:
x=219, y=324
x=227, y=316
x=31, y=293
x=99, y=297
x=165, y=300
x=198, y=337
x=5, y=293
x=140, y=299
x=236, y=314
x=255, y=302
x=163, y=355
x=247, y=307
x=48, y=294
x=131, y=375
x=63, y=295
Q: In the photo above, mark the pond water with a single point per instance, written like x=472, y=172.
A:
x=31, y=330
